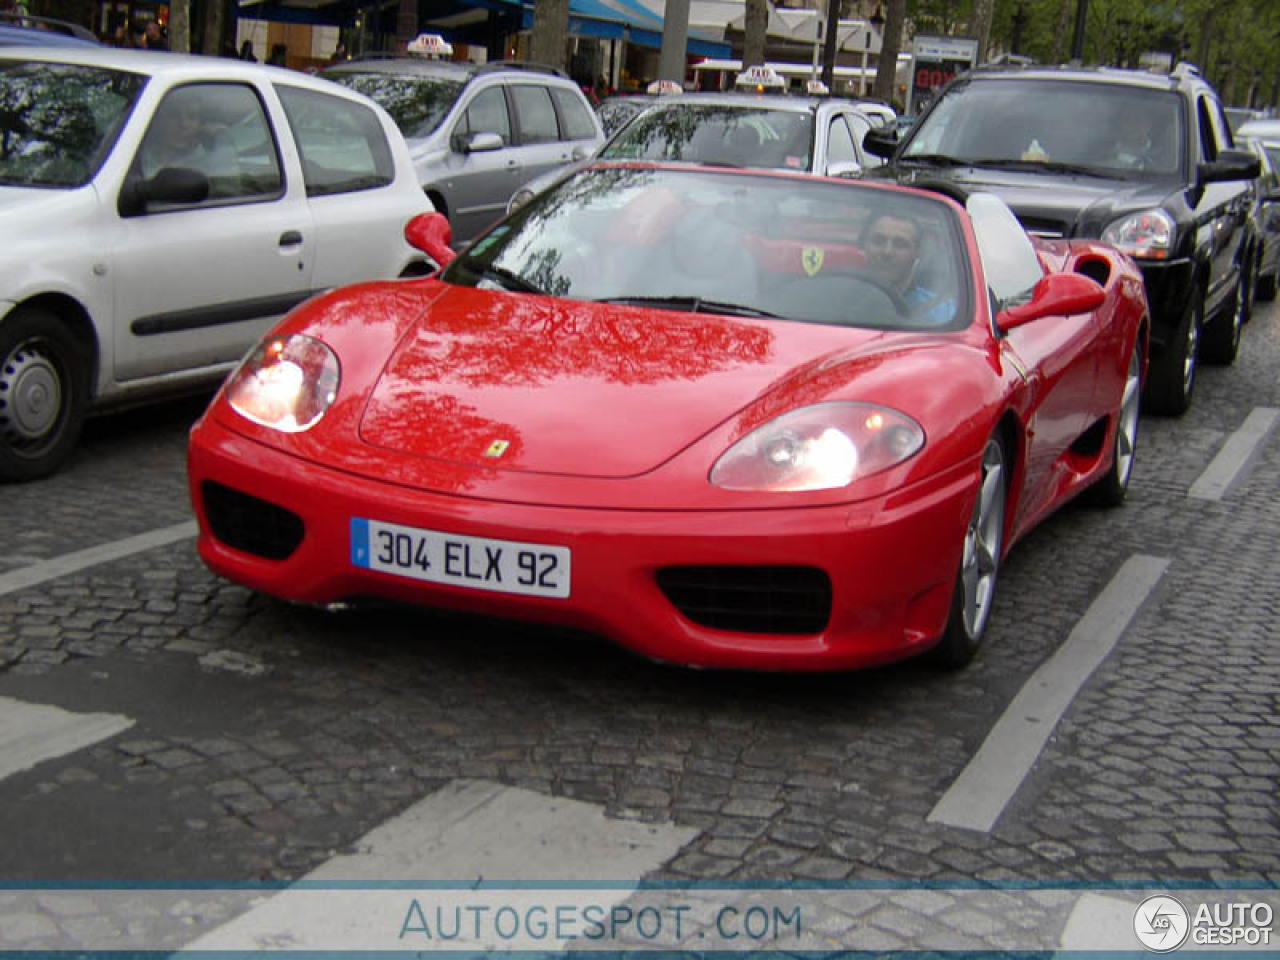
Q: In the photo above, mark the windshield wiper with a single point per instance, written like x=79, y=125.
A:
x=692, y=304
x=1049, y=166
x=508, y=280
x=936, y=160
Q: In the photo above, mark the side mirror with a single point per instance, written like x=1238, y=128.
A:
x=482, y=142
x=1230, y=165
x=431, y=233
x=844, y=168
x=1055, y=294
x=880, y=142
x=169, y=186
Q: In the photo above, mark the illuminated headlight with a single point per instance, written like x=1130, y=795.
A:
x=519, y=199
x=822, y=447
x=1147, y=235
x=287, y=383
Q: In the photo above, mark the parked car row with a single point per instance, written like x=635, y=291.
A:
x=792, y=491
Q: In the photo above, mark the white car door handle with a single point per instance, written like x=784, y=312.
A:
x=290, y=238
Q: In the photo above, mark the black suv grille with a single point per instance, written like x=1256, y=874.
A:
x=750, y=599
x=249, y=524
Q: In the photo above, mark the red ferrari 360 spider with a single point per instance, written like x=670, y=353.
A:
x=723, y=417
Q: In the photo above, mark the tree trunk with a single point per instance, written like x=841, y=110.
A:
x=1206, y=34
x=213, y=19
x=406, y=22
x=1060, y=35
x=550, y=29
x=890, y=45
x=180, y=26
x=755, y=30
x=982, y=13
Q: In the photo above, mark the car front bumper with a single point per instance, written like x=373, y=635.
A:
x=892, y=562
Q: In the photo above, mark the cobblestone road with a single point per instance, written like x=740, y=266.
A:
x=268, y=737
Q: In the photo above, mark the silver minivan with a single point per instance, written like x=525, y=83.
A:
x=478, y=132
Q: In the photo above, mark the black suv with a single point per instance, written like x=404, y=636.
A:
x=1144, y=161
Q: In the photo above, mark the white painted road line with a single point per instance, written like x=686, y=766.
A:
x=1236, y=454
x=979, y=795
x=468, y=833
x=30, y=733
x=70, y=563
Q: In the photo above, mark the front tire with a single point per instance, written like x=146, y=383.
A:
x=44, y=393
x=1173, y=374
x=975, y=587
x=1110, y=490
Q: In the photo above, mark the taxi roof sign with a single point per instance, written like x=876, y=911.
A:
x=430, y=45
x=664, y=87
x=760, y=76
x=817, y=88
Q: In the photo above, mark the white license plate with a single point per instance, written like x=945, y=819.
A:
x=504, y=566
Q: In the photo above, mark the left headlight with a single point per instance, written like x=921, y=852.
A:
x=1148, y=235
x=821, y=447
x=286, y=383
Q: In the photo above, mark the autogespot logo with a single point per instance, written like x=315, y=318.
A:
x=1161, y=923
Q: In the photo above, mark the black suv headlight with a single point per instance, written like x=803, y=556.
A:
x=1146, y=235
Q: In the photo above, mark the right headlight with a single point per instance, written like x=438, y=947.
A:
x=820, y=447
x=287, y=383
x=1147, y=235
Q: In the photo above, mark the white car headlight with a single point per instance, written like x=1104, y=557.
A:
x=287, y=383
x=822, y=447
x=1147, y=235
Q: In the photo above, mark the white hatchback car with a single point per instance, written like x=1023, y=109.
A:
x=159, y=211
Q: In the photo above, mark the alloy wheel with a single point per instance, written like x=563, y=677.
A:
x=981, y=560
x=1127, y=427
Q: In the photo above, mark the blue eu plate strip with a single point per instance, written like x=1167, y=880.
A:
x=359, y=542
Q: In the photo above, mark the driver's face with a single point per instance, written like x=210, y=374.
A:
x=892, y=248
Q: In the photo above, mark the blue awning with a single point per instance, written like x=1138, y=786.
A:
x=627, y=20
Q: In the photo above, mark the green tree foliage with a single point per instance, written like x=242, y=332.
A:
x=1236, y=43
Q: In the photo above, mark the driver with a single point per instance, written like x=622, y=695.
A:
x=892, y=242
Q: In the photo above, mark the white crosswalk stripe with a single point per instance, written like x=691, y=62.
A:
x=31, y=733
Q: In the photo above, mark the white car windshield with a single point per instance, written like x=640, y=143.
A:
x=59, y=121
x=717, y=133
x=416, y=103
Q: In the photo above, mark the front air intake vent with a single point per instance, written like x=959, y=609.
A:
x=254, y=526
x=750, y=599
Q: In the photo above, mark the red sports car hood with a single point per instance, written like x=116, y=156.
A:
x=595, y=390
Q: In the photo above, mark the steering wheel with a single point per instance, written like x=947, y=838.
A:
x=894, y=297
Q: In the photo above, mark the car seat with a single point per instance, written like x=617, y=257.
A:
x=743, y=145
x=707, y=258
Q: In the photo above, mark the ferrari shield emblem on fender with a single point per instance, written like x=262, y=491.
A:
x=811, y=258
x=497, y=448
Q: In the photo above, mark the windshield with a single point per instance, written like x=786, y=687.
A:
x=58, y=121
x=704, y=240
x=1102, y=129
x=416, y=103
x=717, y=133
